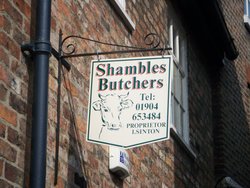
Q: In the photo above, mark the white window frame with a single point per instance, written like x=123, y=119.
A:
x=179, y=52
x=247, y=13
x=120, y=7
x=122, y=3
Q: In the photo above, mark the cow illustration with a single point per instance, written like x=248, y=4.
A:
x=111, y=107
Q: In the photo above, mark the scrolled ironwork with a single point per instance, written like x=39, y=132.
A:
x=71, y=49
x=151, y=40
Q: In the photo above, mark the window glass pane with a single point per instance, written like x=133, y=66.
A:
x=248, y=5
x=182, y=52
x=176, y=82
x=181, y=91
x=245, y=7
x=177, y=101
x=174, y=42
x=177, y=85
x=173, y=81
x=172, y=109
x=178, y=119
x=182, y=121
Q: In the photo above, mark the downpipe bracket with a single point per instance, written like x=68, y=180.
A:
x=28, y=50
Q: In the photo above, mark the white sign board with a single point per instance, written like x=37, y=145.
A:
x=129, y=101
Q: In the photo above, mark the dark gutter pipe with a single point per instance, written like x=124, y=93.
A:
x=42, y=50
x=231, y=51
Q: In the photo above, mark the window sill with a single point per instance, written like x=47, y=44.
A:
x=247, y=22
x=183, y=144
x=227, y=182
x=124, y=16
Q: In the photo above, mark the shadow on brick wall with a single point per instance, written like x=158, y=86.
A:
x=76, y=166
x=30, y=67
x=87, y=163
x=231, y=126
x=193, y=163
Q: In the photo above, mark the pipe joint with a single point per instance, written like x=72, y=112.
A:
x=42, y=47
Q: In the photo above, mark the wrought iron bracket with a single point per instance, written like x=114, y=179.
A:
x=63, y=61
x=37, y=46
x=27, y=49
x=152, y=40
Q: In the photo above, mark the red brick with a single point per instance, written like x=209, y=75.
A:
x=2, y=130
x=19, y=4
x=27, y=28
x=64, y=8
x=18, y=36
x=5, y=184
x=64, y=126
x=3, y=92
x=53, y=23
x=10, y=45
x=24, y=95
x=16, y=138
x=71, y=88
x=81, y=124
x=248, y=73
x=93, y=162
x=66, y=112
x=19, y=69
x=24, y=126
x=64, y=143
x=4, y=57
x=6, y=6
x=5, y=24
x=8, y=115
x=23, y=7
x=21, y=159
x=7, y=151
x=60, y=183
x=26, y=180
x=27, y=11
x=52, y=83
x=1, y=167
x=13, y=174
x=17, y=104
x=4, y=75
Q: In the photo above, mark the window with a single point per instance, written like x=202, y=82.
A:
x=179, y=95
x=120, y=7
x=247, y=14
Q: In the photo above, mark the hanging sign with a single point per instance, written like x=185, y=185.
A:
x=129, y=101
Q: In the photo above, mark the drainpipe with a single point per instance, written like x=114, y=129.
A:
x=41, y=52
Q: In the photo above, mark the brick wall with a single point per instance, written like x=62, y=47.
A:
x=14, y=29
x=164, y=164
x=232, y=128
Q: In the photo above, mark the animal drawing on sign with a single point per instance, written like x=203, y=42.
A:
x=111, y=107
